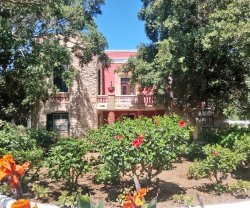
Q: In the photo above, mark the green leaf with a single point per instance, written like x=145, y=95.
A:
x=101, y=204
x=83, y=201
x=153, y=203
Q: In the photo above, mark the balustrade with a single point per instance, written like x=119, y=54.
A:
x=125, y=101
x=60, y=98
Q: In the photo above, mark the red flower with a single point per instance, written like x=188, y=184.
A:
x=119, y=137
x=138, y=142
x=214, y=153
x=182, y=124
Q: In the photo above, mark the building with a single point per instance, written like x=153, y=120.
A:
x=97, y=96
x=118, y=98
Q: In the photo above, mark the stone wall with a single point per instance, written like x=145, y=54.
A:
x=81, y=102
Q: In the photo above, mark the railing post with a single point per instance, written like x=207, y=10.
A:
x=140, y=98
x=111, y=101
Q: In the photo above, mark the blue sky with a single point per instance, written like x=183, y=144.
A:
x=120, y=25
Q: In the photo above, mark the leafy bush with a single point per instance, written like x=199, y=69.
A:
x=104, y=174
x=40, y=191
x=240, y=188
x=198, y=170
x=218, y=163
x=211, y=136
x=242, y=146
x=44, y=139
x=233, y=135
x=236, y=139
x=183, y=199
x=77, y=200
x=193, y=151
x=141, y=145
x=66, y=199
x=220, y=188
x=224, y=137
x=16, y=141
x=66, y=160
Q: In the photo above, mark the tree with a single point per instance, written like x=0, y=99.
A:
x=203, y=45
x=30, y=53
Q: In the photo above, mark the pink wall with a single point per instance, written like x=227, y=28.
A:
x=108, y=74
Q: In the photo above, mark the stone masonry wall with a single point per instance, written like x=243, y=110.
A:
x=82, y=102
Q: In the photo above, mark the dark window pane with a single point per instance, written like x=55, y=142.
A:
x=124, y=90
x=60, y=84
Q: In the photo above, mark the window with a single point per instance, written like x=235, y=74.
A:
x=58, y=122
x=58, y=81
x=99, y=82
x=60, y=84
x=126, y=88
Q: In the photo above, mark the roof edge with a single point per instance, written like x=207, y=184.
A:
x=128, y=50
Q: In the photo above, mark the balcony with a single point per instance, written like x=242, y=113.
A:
x=60, y=98
x=123, y=102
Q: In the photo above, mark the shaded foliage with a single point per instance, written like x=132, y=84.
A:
x=30, y=51
x=203, y=45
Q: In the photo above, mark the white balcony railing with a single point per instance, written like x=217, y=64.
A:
x=102, y=102
x=125, y=101
x=102, y=99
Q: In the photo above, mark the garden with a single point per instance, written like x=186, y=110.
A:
x=146, y=162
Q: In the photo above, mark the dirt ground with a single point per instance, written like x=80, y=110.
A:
x=169, y=182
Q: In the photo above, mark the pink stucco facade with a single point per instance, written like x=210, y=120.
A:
x=134, y=103
x=118, y=58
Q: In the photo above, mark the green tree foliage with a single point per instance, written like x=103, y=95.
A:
x=30, y=53
x=203, y=45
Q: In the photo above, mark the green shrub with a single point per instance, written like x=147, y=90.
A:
x=198, y=170
x=211, y=136
x=233, y=135
x=242, y=146
x=218, y=163
x=193, y=151
x=240, y=188
x=220, y=188
x=40, y=191
x=151, y=143
x=66, y=160
x=104, y=174
x=224, y=137
x=15, y=140
x=183, y=199
x=44, y=139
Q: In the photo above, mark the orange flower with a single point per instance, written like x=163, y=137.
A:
x=9, y=168
x=143, y=192
x=20, y=169
x=138, y=200
x=35, y=206
x=135, y=200
x=128, y=205
x=21, y=203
